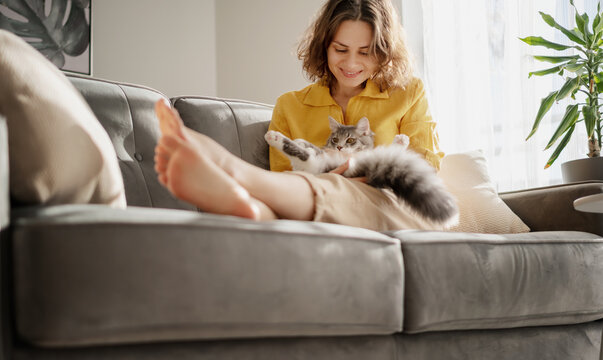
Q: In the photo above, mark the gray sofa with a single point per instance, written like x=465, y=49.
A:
x=159, y=280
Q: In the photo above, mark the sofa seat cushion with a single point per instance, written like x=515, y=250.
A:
x=471, y=281
x=88, y=274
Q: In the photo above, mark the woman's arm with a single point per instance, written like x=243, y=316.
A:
x=420, y=127
x=278, y=161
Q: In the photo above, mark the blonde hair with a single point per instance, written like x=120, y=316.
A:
x=387, y=46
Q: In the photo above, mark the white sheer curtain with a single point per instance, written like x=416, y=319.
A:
x=476, y=74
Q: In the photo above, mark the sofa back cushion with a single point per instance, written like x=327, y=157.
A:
x=237, y=125
x=126, y=113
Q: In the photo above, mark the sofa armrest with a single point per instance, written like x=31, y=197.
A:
x=4, y=181
x=551, y=208
x=5, y=319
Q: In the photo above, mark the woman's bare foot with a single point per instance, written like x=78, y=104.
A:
x=197, y=180
x=184, y=167
x=170, y=122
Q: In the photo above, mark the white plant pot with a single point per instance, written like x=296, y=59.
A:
x=582, y=169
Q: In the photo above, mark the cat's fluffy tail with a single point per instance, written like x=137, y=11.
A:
x=410, y=177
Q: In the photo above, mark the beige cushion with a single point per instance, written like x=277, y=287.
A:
x=481, y=210
x=58, y=151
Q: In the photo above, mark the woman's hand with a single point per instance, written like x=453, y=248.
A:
x=343, y=167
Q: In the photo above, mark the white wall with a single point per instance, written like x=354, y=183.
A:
x=412, y=20
x=169, y=45
x=256, y=47
x=243, y=49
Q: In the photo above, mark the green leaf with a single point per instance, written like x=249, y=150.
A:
x=570, y=35
x=546, y=71
x=560, y=147
x=574, y=67
x=599, y=26
x=596, y=24
x=581, y=29
x=569, y=119
x=545, y=106
x=556, y=59
x=590, y=119
x=588, y=36
x=570, y=85
x=539, y=41
x=596, y=39
x=579, y=22
x=49, y=32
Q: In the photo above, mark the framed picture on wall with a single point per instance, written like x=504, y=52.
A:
x=59, y=29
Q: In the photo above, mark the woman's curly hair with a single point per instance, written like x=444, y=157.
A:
x=387, y=46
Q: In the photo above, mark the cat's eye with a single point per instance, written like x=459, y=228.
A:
x=335, y=140
x=351, y=141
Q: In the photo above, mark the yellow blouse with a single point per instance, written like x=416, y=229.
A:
x=304, y=114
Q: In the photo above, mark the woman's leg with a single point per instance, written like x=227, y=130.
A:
x=198, y=170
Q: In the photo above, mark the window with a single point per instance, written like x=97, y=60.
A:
x=476, y=73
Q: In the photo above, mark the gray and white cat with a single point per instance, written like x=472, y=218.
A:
x=403, y=171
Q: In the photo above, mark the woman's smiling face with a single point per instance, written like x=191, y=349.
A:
x=348, y=55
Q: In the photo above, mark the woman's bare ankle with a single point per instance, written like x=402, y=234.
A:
x=193, y=177
x=265, y=213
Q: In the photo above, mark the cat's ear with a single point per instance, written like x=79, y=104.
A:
x=363, y=126
x=333, y=124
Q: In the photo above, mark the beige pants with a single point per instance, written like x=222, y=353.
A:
x=343, y=201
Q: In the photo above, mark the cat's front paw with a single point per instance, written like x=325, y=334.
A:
x=402, y=140
x=273, y=137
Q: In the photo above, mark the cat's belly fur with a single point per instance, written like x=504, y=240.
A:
x=326, y=161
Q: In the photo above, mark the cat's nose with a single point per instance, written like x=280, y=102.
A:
x=339, y=148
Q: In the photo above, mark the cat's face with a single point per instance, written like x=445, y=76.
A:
x=350, y=138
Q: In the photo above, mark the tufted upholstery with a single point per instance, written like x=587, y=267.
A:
x=237, y=125
x=126, y=112
x=158, y=281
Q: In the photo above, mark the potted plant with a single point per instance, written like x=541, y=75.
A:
x=583, y=74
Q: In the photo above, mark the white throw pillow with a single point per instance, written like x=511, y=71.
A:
x=481, y=210
x=58, y=151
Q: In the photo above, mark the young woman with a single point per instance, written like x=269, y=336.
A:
x=356, y=54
